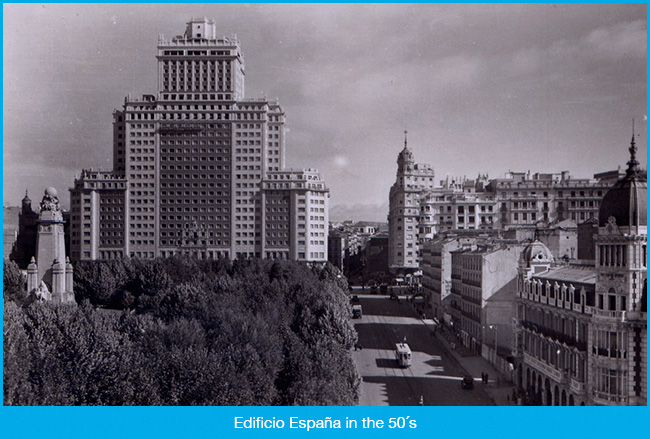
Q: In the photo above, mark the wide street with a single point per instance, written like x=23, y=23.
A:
x=434, y=377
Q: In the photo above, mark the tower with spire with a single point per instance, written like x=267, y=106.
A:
x=618, y=333
x=24, y=247
x=413, y=180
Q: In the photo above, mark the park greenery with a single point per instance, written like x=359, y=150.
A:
x=181, y=331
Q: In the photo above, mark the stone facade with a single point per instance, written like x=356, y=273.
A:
x=189, y=161
x=582, y=330
x=49, y=274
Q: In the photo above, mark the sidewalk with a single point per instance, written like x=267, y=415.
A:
x=497, y=388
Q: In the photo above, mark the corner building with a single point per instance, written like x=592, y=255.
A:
x=188, y=163
x=412, y=182
x=582, y=331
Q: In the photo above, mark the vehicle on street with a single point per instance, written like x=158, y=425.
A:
x=393, y=296
x=356, y=311
x=468, y=382
x=354, y=298
x=403, y=354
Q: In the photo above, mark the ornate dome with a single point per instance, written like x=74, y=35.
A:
x=50, y=191
x=627, y=200
x=536, y=252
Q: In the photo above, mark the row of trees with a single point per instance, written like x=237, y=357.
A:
x=181, y=331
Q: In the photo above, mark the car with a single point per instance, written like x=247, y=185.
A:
x=355, y=298
x=357, y=311
x=393, y=296
x=468, y=382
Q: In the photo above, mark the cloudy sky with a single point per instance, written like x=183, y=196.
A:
x=480, y=88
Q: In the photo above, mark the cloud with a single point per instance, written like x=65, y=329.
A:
x=618, y=41
x=481, y=88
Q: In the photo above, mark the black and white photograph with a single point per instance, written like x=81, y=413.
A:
x=324, y=204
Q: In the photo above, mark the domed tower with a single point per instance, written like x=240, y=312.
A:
x=536, y=257
x=27, y=204
x=412, y=183
x=624, y=206
x=25, y=246
x=405, y=159
x=618, y=366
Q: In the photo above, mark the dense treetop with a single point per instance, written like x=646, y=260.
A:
x=180, y=331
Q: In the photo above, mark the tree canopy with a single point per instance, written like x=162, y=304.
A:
x=181, y=331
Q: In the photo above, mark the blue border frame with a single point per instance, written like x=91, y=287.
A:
x=437, y=422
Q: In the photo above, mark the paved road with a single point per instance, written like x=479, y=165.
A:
x=434, y=375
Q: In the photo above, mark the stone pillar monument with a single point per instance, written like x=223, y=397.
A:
x=50, y=275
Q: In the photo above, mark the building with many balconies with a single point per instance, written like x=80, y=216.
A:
x=551, y=204
x=581, y=332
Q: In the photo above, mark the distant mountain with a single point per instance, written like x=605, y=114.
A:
x=359, y=212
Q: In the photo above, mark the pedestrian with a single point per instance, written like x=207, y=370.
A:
x=487, y=378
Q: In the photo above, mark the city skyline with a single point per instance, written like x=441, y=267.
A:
x=560, y=84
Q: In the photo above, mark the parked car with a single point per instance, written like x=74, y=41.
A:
x=468, y=382
x=355, y=298
x=357, y=311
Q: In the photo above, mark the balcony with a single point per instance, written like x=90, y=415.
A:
x=559, y=337
x=609, y=353
x=608, y=399
x=577, y=386
x=547, y=369
x=615, y=315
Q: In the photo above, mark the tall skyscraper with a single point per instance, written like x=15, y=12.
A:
x=189, y=164
x=412, y=182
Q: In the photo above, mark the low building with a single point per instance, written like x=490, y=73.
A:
x=483, y=290
x=436, y=272
x=336, y=249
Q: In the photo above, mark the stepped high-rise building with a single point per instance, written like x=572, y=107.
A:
x=189, y=166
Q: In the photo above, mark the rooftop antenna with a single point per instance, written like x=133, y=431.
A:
x=405, y=133
x=632, y=165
